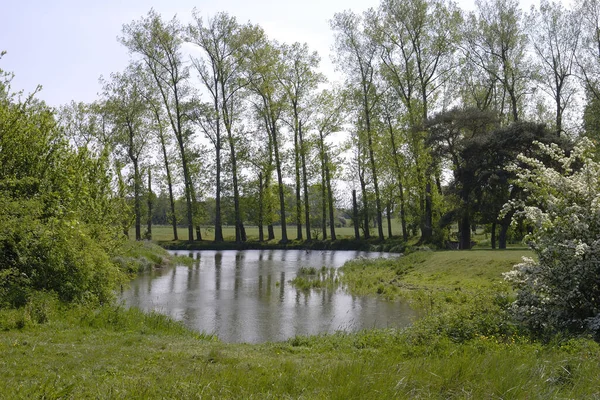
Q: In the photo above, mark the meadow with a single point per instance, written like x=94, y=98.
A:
x=464, y=346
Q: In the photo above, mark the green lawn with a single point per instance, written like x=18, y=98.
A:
x=165, y=233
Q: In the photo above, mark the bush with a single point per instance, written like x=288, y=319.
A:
x=59, y=221
x=559, y=292
x=461, y=317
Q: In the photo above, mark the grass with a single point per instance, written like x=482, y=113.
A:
x=164, y=233
x=310, y=278
x=462, y=348
x=77, y=356
x=145, y=255
x=430, y=271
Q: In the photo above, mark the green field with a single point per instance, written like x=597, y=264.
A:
x=163, y=233
x=463, y=347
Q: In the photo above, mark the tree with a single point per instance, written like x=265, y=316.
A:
x=262, y=59
x=418, y=40
x=86, y=125
x=588, y=14
x=299, y=79
x=357, y=55
x=329, y=119
x=59, y=223
x=559, y=291
x=221, y=39
x=495, y=42
x=159, y=45
x=460, y=136
x=126, y=106
x=555, y=36
x=159, y=129
x=491, y=154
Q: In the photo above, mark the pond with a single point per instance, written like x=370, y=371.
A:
x=245, y=296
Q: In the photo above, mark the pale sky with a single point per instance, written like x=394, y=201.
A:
x=66, y=45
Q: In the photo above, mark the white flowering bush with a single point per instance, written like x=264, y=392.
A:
x=560, y=291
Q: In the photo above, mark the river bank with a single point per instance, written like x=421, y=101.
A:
x=463, y=348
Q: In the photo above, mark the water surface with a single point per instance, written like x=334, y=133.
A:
x=245, y=296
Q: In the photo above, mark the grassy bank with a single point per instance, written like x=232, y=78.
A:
x=431, y=271
x=458, y=350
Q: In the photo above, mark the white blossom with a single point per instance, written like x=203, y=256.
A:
x=557, y=290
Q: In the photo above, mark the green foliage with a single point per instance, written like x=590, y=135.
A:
x=58, y=226
x=559, y=291
x=462, y=316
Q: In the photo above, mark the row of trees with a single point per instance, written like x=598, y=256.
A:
x=434, y=105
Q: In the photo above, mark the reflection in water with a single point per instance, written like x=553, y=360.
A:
x=230, y=293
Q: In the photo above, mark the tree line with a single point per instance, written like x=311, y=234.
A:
x=435, y=103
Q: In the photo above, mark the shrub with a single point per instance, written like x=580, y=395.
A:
x=560, y=291
x=59, y=221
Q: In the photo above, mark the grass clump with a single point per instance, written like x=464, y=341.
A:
x=307, y=271
x=140, y=256
x=310, y=278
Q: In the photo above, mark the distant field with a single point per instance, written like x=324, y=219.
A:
x=165, y=232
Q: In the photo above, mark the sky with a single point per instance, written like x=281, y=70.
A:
x=66, y=45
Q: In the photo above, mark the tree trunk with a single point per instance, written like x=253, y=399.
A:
x=137, y=206
x=465, y=231
x=304, y=183
x=240, y=232
x=389, y=219
x=493, y=239
x=330, y=201
x=187, y=180
x=169, y=185
x=218, y=223
x=403, y=213
x=261, y=211
x=366, y=219
x=298, y=215
x=323, y=205
x=243, y=232
x=323, y=186
x=121, y=186
x=399, y=178
x=284, y=238
x=270, y=232
x=427, y=229
x=149, y=231
x=378, y=207
x=355, y=214
x=195, y=206
x=269, y=210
